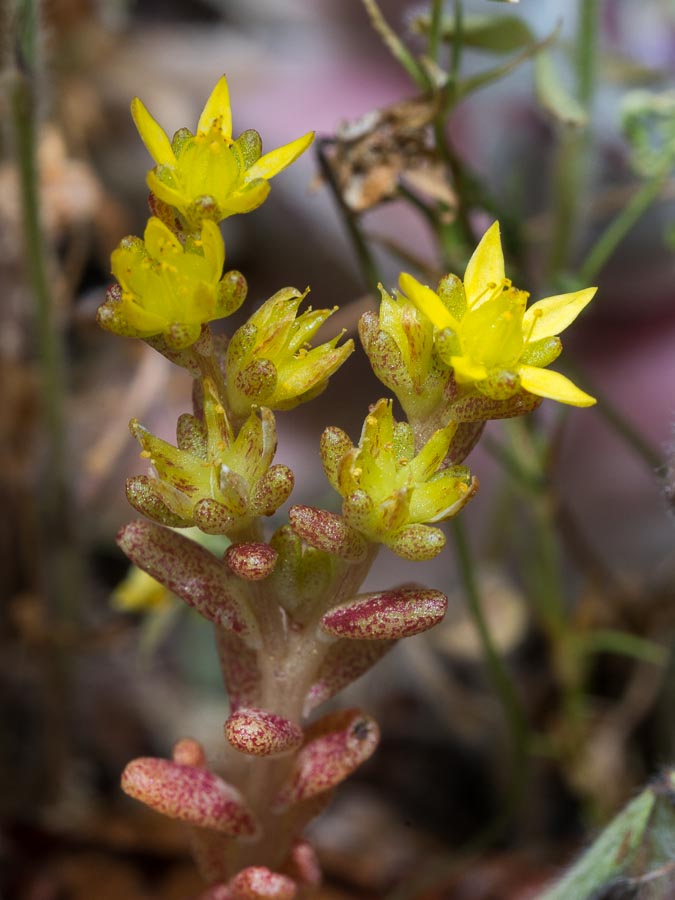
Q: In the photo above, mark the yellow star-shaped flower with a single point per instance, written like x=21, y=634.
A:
x=485, y=331
x=208, y=175
x=168, y=288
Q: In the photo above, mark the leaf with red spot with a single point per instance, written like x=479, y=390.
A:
x=192, y=795
x=388, y=615
x=192, y=573
x=334, y=746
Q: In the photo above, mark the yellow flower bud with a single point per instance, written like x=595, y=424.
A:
x=390, y=494
x=270, y=361
x=214, y=479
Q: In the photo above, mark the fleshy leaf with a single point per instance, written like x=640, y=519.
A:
x=258, y=732
x=388, y=615
x=192, y=573
x=190, y=794
x=334, y=746
x=253, y=561
x=345, y=661
x=328, y=532
x=260, y=883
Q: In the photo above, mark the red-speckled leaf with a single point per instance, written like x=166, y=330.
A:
x=475, y=409
x=192, y=795
x=253, y=562
x=334, y=746
x=192, y=573
x=188, y=752
x=261, y=733
x=345, y=661
x=388, y=615
x=327, y=531
x=303, y=865
x=260, y=883
x=240, y=669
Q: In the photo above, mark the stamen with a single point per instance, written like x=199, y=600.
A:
x=536, y=314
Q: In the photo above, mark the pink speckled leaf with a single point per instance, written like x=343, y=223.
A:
x=334, y=746
x=253, y=562
x=261, y=733
x=260, y=883
x=192, y=573
x=188, y=752
x=388, y=615
x=480, y=409
x=345, y=661
x=192, y=795
x=239, y=664
x=327, y=531
x=303, y=865
x=464, y=440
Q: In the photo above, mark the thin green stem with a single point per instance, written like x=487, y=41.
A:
x=619, y=227
x=456, y=50
x=59, y=561
x=520, y=734
x=395, y=45
x=550, y=588
x=506, y=690
x=56, y=492
x=587, y=39
x=571, y=166
x=435, y=30
x=49, y=345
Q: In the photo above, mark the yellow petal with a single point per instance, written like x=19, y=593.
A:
x=553, y=385
x=246, y=200
x=152, y=134
x=214, y=247
x=272, y=163
x=486, y=266
x=552, y=315
x=160, y=240
x=427, y=301
x=466, y=370
x=164, y=192
x=143, y=320
x=217, y=112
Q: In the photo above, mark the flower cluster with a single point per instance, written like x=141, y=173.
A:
x=291, y=625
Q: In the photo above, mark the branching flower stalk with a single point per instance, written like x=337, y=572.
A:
x=291, y=625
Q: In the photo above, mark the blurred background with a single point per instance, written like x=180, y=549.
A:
x=85, y=685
